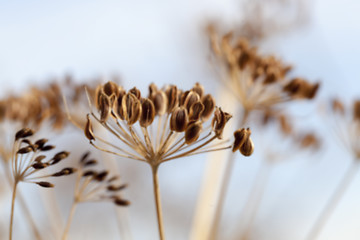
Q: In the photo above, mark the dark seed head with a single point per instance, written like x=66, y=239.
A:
x=147, y=113
x=179, y=120
x=45, y=184
x=24, y=133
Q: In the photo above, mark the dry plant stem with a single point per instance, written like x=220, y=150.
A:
x=333, y=201
x=224, y=186
x=69, y=220
x=253, y=203
x=22, y=203
x=158, y=201
x=12, y=209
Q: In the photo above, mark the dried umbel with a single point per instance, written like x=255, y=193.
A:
x=29, y=159
x=171, y=122
x=259, y=82
x=347, y=124
x=93, y=185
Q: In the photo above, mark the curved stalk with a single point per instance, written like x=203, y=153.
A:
x=224, y=186
x=69, y=220
x=333, y=201
x=158, y=201
x=12, y=210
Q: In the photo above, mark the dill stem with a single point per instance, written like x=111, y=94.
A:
x=12, y=210
x=224, y=185
x=254, y=200
x=69, y=220
x=333, y=201
x=158, y=201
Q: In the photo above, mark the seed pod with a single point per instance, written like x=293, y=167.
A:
x=101, y=176
x=195, y=111
x=312, y=91
x=160, y=102
x=293, y=86
x=39, y=165
x=247, y=148
x=240, y=136
x=136, y=92
x=113, y=188
x=199, y=89
x=113, y=179
x=271, y=75
x=121, y=202
x=84, y=156
x=47, y=148
x=110, y=88
x=219, y=121
x=147, y=113
x=179, y=119
x=117, y=104
x=25, y=150
x=91, y=162
x=64, y=172
x=172, y=98
x=152, y=89
x=131, y=108
x=40, y=143
x=105, y=107
x=24, y=133
x=89, y=173
x=89, y=130
x=38, y=159
x=45, y=184
x=61, y=155
x=191, y=99
x=192, y=132
x=209, y=105
x=356, y=110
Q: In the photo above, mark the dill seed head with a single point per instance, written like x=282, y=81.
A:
x=28, y=161
x=167, y=125
x=93, y=185
x=259, y=82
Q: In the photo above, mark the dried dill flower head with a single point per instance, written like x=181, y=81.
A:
x=347, y=124
x=167, y=125
x=29, y=159
x=259, y=82
x=94, y=186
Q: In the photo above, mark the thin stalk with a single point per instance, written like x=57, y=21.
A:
x=333, y=201
x=12, y=210
x=69, y=220
x=253, y=203
x=224, y=185
x=158, y=201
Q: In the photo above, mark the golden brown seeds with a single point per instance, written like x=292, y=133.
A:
x=172, y=97
x=113, y=188
x=147, y=113
x=111, y=88
x=191, y=98
x=89, y=130
x=24, y=150
x=121, y=202
x=240, y=136
x=179, y=120
x=136, y=92
x=247, y=148
x=45, y=184
x=195, y=111
x=199, y=89
x=219, y=121
x=209, y=105
x=105, y=107
x=24, y=133
x=160, y=102
x=192, y=132
x=131, y=108
x=356, y=109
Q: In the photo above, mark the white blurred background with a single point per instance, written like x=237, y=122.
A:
x=164, y=42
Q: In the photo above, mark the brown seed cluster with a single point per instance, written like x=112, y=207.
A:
x=258, y=81
x=29, y=159
x=93, y=185
x=167, y=124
